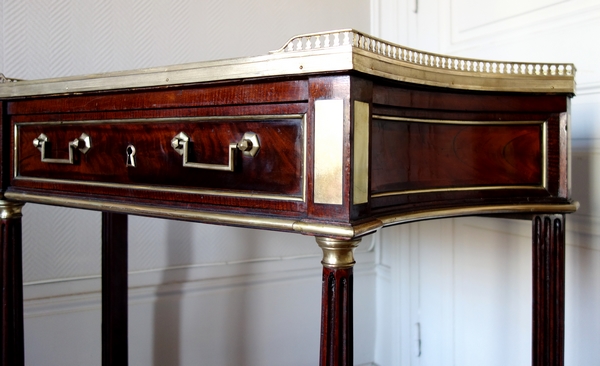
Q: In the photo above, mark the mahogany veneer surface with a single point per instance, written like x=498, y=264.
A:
x=425, y=142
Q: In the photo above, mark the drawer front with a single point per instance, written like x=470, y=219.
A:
x=432, y=160
x=188, y=155
x=447, y=155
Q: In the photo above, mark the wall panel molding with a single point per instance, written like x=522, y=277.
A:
x=541, y=16
x=588, y=88
x=85, y=294
x=579, y=225
x=143, y=284
x=54, y=251
x=389, y=20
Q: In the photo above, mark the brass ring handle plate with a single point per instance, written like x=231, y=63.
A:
x=249, y=145
x=83, y=144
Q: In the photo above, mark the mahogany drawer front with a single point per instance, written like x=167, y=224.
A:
x=276, y=171
x=433, y=160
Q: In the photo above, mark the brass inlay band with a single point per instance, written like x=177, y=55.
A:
x=304, y=157
x=15, y=145
x=329, y=151
x=544, y=159
x=456, y=122
x=545, y=154
x=163, y=212
x=452, y=189
x=316, y=229
x=360, y=171
x=566, y=117
x=532, y=208
x=337, y=253
x=292, y=225
x=10, y=209
x=190, y=190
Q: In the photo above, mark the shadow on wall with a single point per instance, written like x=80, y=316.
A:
x=167, y=307
x=217, y=327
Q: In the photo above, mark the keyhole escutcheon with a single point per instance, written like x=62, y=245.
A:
x=130, y=151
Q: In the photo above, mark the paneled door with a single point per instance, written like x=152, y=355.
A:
x=461, y=288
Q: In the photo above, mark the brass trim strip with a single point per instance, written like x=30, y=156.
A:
x=456, y=122
x=543, y=147
x=395, y=219
x=212, y=192
x=360, y=170
x=454, y=189
x=185, y=74
x=317, y=229
x=253, y=221
x=290, y=225
x=15, y=146
x=414, y=73
x=163, y=212
x=545, y=154
x=567, y=127
x=305, y=157
x=329, y=151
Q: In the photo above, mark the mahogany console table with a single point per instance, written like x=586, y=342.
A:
x=335, y=135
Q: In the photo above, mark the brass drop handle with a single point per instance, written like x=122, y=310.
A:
x=249, y=146
x=83, y=144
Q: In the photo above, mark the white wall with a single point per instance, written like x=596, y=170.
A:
x=199, y=294
x=467, y=282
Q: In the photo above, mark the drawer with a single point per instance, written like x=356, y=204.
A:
x=187, y=155
x=461, y=160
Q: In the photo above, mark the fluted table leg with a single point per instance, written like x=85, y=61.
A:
x=548, y=290
x=114, y=289
x=336, y=305
x=11, y=273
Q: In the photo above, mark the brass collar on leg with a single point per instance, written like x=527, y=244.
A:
x=337, y=253
x=10, y=209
